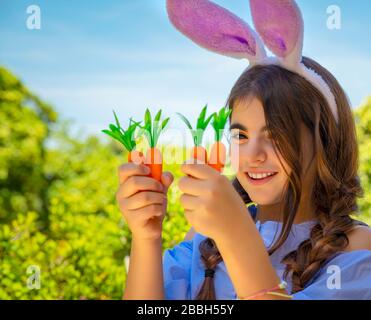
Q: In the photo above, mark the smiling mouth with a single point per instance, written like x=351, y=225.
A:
x=259, y=181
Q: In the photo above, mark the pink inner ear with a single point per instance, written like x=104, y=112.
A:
x=212, y=27
x=279, y=23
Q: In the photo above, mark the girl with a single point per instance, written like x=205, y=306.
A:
x=296, y=159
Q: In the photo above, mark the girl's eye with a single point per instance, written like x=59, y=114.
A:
x=238, y=136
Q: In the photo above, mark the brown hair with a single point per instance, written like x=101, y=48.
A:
x=290, y=101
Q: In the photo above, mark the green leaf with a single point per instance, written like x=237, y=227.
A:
x=146, y=128
x=114, y=136
x=164, y=123
x=130, y=144
x=113, y=128
x=203, y=113
x=219, y=122
x=133, y=125
x=147, y=118
x=158, y=116
x=208, y=120
x=117, y=120
x=125, y=137
x=201, y=118
x=185, y=120
x=197, y=137
x=201, y=125
x=153, y=130
x=194, y=136
x=108, y=132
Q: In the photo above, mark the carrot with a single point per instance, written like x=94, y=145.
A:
x=126, y=138
x=198, y=152
x=217, y=156
x=154, y=162
x=152, y=131
x=218, y=151
x=135, y=156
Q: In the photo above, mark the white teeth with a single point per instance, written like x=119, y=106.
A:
x=260, y=175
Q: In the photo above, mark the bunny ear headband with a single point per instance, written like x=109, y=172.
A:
x=279, y=26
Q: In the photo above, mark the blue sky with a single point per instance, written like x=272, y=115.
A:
x=93, y=56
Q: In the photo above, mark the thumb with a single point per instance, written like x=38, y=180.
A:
x=167, y=179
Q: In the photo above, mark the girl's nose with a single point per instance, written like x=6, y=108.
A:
x=252, y=152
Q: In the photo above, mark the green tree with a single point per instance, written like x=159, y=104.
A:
x=363, y=121
x=25, y=122
x=57, y=205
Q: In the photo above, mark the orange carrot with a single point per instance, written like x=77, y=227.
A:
x=153, y=161
x=217, y=156
x=199, y=153
x=135, y=156
x=218, y=151
x=152, y=131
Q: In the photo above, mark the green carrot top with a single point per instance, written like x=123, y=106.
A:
x=125, y=137
x=219, y=121
x=153, y=129
x=202, y=123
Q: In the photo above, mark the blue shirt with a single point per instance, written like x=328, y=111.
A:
x=183, y=268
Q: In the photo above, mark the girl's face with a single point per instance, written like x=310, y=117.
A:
x=253, y=156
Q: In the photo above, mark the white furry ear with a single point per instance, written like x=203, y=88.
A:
x=281, y=27
x=278, y=22
x=215, y=28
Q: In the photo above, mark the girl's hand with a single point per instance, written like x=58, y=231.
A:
x=211, y=204
x=143, y=200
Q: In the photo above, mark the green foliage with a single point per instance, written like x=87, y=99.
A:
x=202, y=123
x=152, y=130
x=57, y=202
x=57, y=205
x=363, y=121
x=25, y=122
x=219, y=121
x=125, y=137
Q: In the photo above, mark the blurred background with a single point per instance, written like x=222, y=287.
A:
x=64, y=66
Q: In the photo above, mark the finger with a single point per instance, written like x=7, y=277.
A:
x=143, y=214
x=130, y=169
x=167, y=179
x=192, y=186
x=190, y=202
x=135, y=184
x=143, y=199
x=198, y=170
